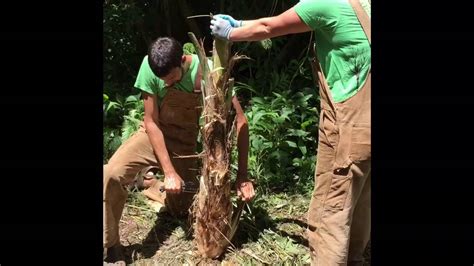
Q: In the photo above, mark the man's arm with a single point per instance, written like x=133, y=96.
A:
x=172, y=179
x=287, y=22
x=243, y=185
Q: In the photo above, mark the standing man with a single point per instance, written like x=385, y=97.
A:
x=339, y=212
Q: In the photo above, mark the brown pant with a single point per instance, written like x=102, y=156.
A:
x=135, y=154
x=339, y=212
x=179, y=113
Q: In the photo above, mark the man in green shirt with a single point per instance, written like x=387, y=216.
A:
x=171, y=89
x=339, y=212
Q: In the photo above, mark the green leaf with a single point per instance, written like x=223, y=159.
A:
x=297, y=132
x=291, y=143
x=110, y=105
x=266, y=44
x=307, y=97
x=302, y=149
x=257, y=100
x=297, y=162
x=278, y=120
x=285, y=112
x=306, y=124
x=257, y=117
x=257, y=143
x=131, y=98
x=277, y=95
x=188, y=48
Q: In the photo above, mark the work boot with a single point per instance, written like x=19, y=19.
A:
x=114, y=256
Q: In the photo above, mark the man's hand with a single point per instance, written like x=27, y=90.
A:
x=221, y=28
x=173, y=183
x=245, y=189
x=233, y=22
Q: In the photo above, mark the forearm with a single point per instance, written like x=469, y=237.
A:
x=157, y=140
x=253, y=30
x=248, y=22
x=242, y=147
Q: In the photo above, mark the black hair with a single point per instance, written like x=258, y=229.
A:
x=164, y=54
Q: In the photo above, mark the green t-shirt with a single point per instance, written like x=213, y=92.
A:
x=147, y=81
x=343, y=48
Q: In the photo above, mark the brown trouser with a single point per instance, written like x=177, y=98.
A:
x=339, y=212
x=179, y=115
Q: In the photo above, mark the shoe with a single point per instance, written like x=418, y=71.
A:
x=114, y=256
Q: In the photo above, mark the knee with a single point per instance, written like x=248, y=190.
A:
x=112, y=175
x=113, y=187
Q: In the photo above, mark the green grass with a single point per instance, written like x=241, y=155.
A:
x=271, y=232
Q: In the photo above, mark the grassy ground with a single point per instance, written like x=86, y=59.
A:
x=271, y=231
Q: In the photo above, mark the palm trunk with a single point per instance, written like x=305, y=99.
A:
x=213, y=208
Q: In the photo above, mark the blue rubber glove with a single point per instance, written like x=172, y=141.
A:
x=233, y=22
x=221, y=28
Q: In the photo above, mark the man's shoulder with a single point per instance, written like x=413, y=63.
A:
x=145, y=59
x=144, y=64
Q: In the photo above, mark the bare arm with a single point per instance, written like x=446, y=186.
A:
x=172, y=179
x=244, y=186
x=242, y=138
x=287, y=22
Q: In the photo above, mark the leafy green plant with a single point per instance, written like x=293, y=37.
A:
x=283, y=138
x=134, y=117
x=130, y=111
x=188, y=48
x=112, y=140
x=120, y=108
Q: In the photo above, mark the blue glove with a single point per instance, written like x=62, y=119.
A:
x=234, y=23
x=221, y=28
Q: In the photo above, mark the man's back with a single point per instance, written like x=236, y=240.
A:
x=342, y=46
